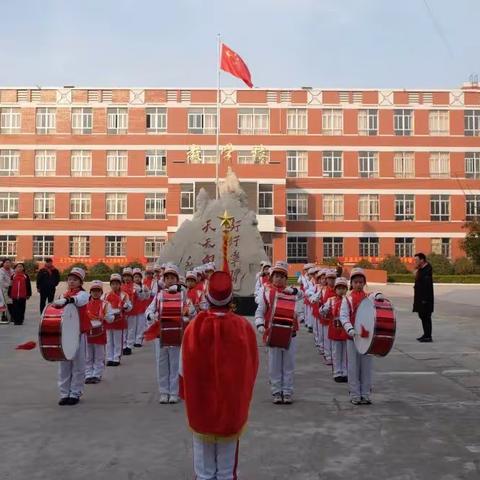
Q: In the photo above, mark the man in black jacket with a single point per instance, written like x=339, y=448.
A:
x=423, y=297
x=48, y=278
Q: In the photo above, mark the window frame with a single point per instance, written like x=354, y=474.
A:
x=43, y=205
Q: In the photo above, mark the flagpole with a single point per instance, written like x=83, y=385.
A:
x=217, y=163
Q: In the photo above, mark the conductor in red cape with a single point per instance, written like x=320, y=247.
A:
x=219, y=364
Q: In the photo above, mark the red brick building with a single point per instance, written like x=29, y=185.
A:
x=90, y=174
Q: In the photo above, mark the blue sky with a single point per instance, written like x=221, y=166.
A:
x=286, y=43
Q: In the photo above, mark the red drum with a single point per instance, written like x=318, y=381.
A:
x=281, y=326
x=171, y=319
x=59, y=333
x=375, y=324
x=97, y=328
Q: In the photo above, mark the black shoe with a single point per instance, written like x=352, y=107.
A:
x=426, y=340
x=337, y=379
x=127, y=351
x=310, y=330
x=73, y=401
x=96, y=380
x=343, y=379
x=110, y=363
x=64, y=401
x=137, y=345
x=89, y=380
x=115, y=364
x=420, y=338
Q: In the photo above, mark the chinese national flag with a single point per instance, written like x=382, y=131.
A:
x=232, y=63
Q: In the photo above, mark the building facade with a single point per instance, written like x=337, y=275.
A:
x=108, y=174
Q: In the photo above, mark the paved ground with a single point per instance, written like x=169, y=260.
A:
x=423, y=425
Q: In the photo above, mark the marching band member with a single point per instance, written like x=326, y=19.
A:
x=196, y=296
x=219, y=364
x=157, y=278
x=359, y=366
x=315, y=297
x=71, y=373
x=136, y=318
x=328, y=291
x=336, y=332
x=120, y=304
x=129, y=288
x=281, y=361
x=262, y=279
x=310, y=284
x=97, y=310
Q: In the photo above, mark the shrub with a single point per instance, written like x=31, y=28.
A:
x=330, y=261
x=78, y=264
x=463, y=266
x=441, y=264
x=31, y=267
x=100, y=269
x=117, y=268
x=409, y=278
x=392, y=264
x=364, y=263
x=136, y=264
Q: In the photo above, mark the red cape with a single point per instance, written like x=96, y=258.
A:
x=219, y=364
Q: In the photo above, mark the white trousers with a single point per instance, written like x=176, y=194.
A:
x=316, y=331
x=114, y=345
x=281, y=368
x=71, y=373
x=359, y=372
x=321, y=339
x=95, y=361
x=327, y=344
x=215, y=460
x=339, y=358
x=168, y=359
x=308, y=316
x=136, y=327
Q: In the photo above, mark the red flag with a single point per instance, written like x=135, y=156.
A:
x=26, y=346
x=232, y=63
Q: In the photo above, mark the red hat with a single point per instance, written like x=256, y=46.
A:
x=220, y=289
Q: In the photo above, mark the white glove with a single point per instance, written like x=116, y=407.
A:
x=137, y=288
x=288, y=290
x=173, y=289
x=115, y=311
x=60, y=302
x=378, y=296
x=261, y=329
x=351, y=332
x=154, y=317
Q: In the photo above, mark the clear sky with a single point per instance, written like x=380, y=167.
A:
x=285, y=43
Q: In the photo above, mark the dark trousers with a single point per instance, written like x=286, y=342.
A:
x=18, y=310
x=44, y=296
x=426, y=318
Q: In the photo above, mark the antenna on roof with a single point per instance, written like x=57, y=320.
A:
x=473, y=79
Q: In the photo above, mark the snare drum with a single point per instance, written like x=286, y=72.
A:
x=59, y=333
x=171, y=319
x=97, y=328
x=375, y=324
x=281, y=327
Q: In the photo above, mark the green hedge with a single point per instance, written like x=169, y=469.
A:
x=409, y=278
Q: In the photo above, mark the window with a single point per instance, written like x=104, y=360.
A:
x=81, y=163
x=472, y=205
x=267, y=239
x=332, y=122
x=297, y=249
x=253, y=121
x=332, y=164
x=472, y=165
x=115, y=246
x=439, y=165
x=404, y=247
x=255, y=156
x=196, y=155
x=297, y=164
x=116, y=206
x=265, y=199
x=187, y=198
x=79, y=246
x=297, y=206
x=117, y=161
x=368, y=164
x=8, y=205
x=438, y=122
x=155, y=163
x=368, y=122
x=202, y=120
x=117, y=120
x=403, y=165
x=153, y=247
x=332, y=207
x=80, y=206
x=404, y=207
x=155, y=206
x=403, y=122
x=156, y=120
x=209, y=156
x=82, y=120
x=369, y=247
x=297, y=121
x=8, y=246
x=368, y=207
x=10, y=119
x=442, y=246
x=45, y=120
x=332, y=247
x=44, y=206
x=472, y=123
x=439, y=208
x=42, y=246
x=9, y=162
x=45, y=163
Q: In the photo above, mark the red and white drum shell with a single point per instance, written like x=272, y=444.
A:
x=282, y=321
x=375, y=323
x=171, y=319
x=59, y=333
x=97, y=328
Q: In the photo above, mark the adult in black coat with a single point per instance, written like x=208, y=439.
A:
x=423, y=296
x=48, y=278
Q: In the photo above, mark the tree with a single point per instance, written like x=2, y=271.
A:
x=471, y=243
x=463, y=266
x=100, y=269
x=392, y=264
